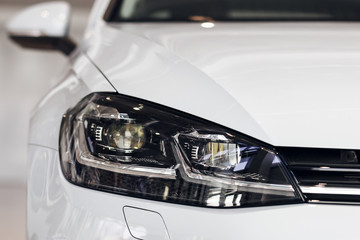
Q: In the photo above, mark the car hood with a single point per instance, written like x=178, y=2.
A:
x=288, y=84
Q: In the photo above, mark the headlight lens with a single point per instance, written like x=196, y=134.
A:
x=128, y=146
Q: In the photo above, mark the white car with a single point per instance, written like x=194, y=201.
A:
x=200, y=119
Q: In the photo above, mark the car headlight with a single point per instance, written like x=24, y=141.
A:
x=128, y=146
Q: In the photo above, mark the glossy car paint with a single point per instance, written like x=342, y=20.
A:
x=47, y=19
x=153, y=63
x=274, y=81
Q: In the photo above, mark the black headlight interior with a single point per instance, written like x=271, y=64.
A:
x=128, y=146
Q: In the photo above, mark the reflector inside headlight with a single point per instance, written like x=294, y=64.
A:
x=129, y=146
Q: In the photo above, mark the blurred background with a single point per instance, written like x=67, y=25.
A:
x=25, y=77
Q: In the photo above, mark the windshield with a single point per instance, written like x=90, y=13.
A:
x=233, y=10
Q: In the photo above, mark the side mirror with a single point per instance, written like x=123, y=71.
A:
x=43, y=26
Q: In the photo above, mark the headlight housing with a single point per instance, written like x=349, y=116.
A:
x=128, y=146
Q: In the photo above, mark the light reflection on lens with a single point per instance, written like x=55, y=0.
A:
x=126, y=136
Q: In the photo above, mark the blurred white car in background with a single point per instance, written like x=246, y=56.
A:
x=200, y=119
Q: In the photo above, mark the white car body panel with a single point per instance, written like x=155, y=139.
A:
x=79, y=80
x=155, y=62
x=294, y=63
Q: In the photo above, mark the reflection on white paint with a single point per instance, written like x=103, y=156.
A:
x=44, y=14
x=207, y=25
x=62, y=17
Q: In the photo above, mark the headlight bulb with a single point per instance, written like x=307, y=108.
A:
x=127, y=136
